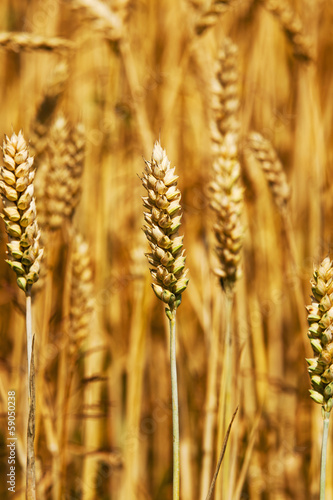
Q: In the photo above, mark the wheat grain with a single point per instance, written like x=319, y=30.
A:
x=17, y=41
x=19, y=210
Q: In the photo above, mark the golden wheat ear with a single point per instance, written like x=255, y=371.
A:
x=226, y=188
x=163, y=219
x=293, y=28
x=265, y=154
x=81, y=294
x=63, y=179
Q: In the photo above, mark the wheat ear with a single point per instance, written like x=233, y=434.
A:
x=320, y=334
x=19, y=214
x=81, y=295
x=42, y=120
x=265, y=154
x=167, y=259
x=103, y=18
x=292, y=26
x=17, y=41
x=63, y=181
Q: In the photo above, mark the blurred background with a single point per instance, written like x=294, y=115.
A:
x=120, y=75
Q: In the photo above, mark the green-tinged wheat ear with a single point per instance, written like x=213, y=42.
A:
x=320, y=319
x=19, y=211
x=81, y=294
x=163, y=216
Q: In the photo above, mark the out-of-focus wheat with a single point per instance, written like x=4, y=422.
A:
x=210, y=17
x=292, y=26
x=227, y=193
x=101, y=17
x=17, y=41
x=63, y=178
x=265, y=154
x=41, y=122
x=82, y=301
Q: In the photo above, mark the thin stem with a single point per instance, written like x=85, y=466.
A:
x=29, y=333
x=219, y=462
x=175, y=414
x=323, y=455
x=211, y=402
x=30, y=474
x=225, y=397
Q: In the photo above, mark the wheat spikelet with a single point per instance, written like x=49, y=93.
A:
x=103, y=18
x=209, y=18
x=81, y=294
x=42, y=120
x=265, y=154
x=293, y=28
x=162, y=223
x=227, y=193
x=17, y=41
x=19, y=211
x=320, y=333
x=63, y=180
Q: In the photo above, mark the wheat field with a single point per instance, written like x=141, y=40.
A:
x=93, y=84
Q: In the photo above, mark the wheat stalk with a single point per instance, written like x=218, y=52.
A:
x=168, y=262
x=320, y=334
x=17, y=41
x=19, y=215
